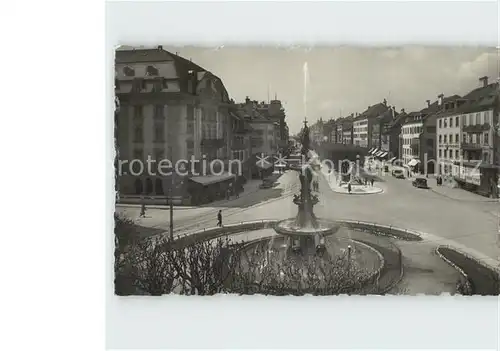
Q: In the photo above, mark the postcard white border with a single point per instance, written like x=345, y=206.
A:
x=53, y=253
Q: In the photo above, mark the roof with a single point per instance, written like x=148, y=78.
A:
x=155, y=55
x=477, y=100
x=373, y=111
x=182, y=65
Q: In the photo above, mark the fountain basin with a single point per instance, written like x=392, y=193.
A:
x=289, y=227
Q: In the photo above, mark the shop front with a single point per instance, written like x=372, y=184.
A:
x=480, y=178
x=205, y=189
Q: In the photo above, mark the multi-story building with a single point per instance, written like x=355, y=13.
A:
x=316, y=132
x=392, y=131
x=274, y=111
x=362, y=125
x=172, y=111
x=468, y=139
x=329, y=130
x=347, y=130
x=360, y=130
x=267, y=132
x=419, y=136
x=448, y=133
x=379, y=139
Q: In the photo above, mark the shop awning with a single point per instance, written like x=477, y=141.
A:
x=212, y=179
x=384, y=154
x=379, y=153
x=413, y=162
x=369, y=151
x=374, y=151
x=392, y=159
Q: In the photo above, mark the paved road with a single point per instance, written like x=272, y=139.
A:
x=192, y=219
x=471, y=224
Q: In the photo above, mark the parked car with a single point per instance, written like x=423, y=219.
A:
x=398, y=173
x=420, y=183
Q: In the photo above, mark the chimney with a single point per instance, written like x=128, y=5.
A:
x=247, y=100
x=440, y=99
x=160, y=47
x=402, y=110
x=385, y=102
x=484, y=80
x=428, y=103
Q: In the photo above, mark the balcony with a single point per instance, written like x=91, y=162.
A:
x=471, y=146
x=213, y=143
x=477, y=128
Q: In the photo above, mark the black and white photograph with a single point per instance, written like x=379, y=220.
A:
x=306, y=170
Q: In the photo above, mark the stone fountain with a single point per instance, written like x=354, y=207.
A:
x=305, y=233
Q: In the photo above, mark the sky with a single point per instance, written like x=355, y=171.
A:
x=343, y=80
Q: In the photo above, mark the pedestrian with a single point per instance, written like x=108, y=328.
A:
x=143, y=210
x=372, y=181
x=219, y=219
x=349, y=187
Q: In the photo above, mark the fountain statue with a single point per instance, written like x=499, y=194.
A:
x=306, y=232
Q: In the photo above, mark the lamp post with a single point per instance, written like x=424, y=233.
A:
x=171, y=199
x=349, y=248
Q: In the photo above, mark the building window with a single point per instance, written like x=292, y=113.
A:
x=445, y=153
x=440, y=123
x=457, y=154
x=189, y=127
x=451, y=138
x=472, y=120
x=190, y=112
x=128, y=71
x=138, y=134
x=464, y=138
x=159, y=132
x=138, y=154
x=159, y=84
x=138, y=85
x=457, y=121
x=440, y=138
x=138, y=112
x=487, y=117
x=451, y=122
x=486, y=139
x=457, y=138
x=159, y=155
x=158, y=114
x=478, y=118
x=446, y=139
x=151, y=71
x=446, y=123
x=440, y=153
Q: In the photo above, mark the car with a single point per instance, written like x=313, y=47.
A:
x=398, y=173
x=420, y=183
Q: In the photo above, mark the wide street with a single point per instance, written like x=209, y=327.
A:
x=472, y=222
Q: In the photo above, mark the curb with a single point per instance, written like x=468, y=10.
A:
x=461, y=200
x=380, y=191
x=453, y=265
x=472, y=258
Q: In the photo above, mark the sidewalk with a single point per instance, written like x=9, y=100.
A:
x=250, y=187
x=458, y=194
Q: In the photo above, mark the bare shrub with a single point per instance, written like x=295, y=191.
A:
x=162, y=266
x=267, y=273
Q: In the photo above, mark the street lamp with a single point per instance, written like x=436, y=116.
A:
x=349, y=248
